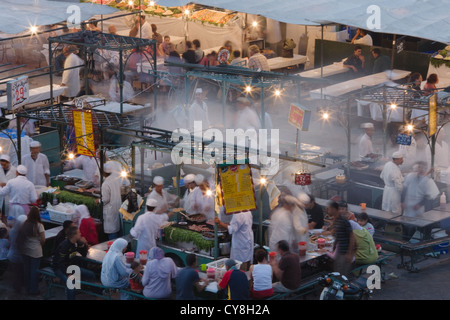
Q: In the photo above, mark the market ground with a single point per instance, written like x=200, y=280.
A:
x=432, y=282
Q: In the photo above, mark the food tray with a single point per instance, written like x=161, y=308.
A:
x=59, y=216
x=219, y=265
x=197, y=218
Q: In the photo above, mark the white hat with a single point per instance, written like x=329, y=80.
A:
x=367, y=125
x=21, y=169
x=188, y=178
x=304, y=198
x=397, y=155
x=35, y=144
x=199, y=179
x=151, y=202
x=158, y=180
x=5, y=157
x=108, y=167
x=198, y=90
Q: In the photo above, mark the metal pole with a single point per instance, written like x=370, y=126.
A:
x=86, y=73
x=393, y=51
x=224, y=99
x=260, y=227
x=142, y=155
x=19, y=141
x=133, y=166
x=263, y=109
x=121, y=80
x=348, y=137
x=50, y=62
x=216, y=239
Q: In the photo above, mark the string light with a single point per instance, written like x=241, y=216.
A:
x=248, y=89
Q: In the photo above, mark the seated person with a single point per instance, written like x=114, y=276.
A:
x=238, y=60
x=315, y=214
x=189, y=54
x=62, y=235
x=343, y=209
x=363, y=221
x=381, y=62
x=362, y=37
x=188, y=278
x=414, y=83
x=210, y=60
x=430, y=87
x=199, y=54
x=236, y=281
x=261, y=275
x=355, y=61
x=287, y=270
x=4, y=249
x=136, y=277
x=366, y=252
x=165, y=47
x=86, y=223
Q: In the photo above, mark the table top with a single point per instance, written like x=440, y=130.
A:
x=280, y=62
x=96, y=254
x=329, y=70
x=51, y=233
x=115, y=107
x=413, y=221
x=434, y=215
x=446, y=209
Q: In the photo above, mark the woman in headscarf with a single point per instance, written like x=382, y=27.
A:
x=14, y=256
x=86, y=224
x=158, y=274
x=114, y=272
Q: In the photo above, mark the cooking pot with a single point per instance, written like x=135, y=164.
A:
x=225, y=248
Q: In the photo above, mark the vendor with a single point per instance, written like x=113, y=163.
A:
x=242, y=242
x=7, y=172
x=37, y=165
x=365, y=143
x=90, y=166
x=202, y=198
x=198, y=111
x=164, y=199
x=186, y=202
x=393, y=184
x=112, y=201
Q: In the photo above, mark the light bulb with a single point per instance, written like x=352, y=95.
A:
x=277, y=93
x=255, y=24
x=186, y=12
x=71, y=156
x=152, y=3
x=393, y=106
x=248, y=88
x=325, y=116
x=123, y=174
x=130, y=3
x=410, y=127
x=263, y=181
x=33, y=29
x=208, y=193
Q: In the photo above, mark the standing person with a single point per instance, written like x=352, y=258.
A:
x=365, y=145
x=236, y=281
x=381, y=62
x=188, y=279
x=257, y=61
x=14, y=256
x=141, y=29
x=4, y=249
x=261, y=276
x=71, y=78
x=145, y=229
x=418, y=190
x=299, y=217
x=315, y=214
x=186, y=202
x=158, y=275
x=362, y=37
x=281, y=226
x=86, y=224
x=37, y=164
x=155, y=35
x=198, y=111
x=287, y=269
x=21, y=191
x=242, y=241
x=202, y=201
x=31, y=239
x=164, y=199
x=90, y=166
x=115, y=274
x=112, y=201
x=246, y=117
x=199, y=54
x=355, y=61
x=7, y=172
x=393, y=184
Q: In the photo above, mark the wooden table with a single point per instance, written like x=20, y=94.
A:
x=329, y=70
x=280, y=62
x=51, y=233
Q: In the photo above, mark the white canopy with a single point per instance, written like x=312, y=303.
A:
x=417, y=18
x=17, y=16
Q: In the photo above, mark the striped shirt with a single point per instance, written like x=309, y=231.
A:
x=342, y=230
x=258, y=61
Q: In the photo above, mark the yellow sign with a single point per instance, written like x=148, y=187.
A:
x=237, y=188
x=84, y=136
x=432, y=116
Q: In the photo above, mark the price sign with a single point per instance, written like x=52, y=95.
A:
x=404, y=139
x=299, y=117
x=17, y=92
x=82, y=122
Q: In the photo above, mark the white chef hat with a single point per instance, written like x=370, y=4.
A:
x=158, y=180
x=151, y=202
x=21, y=169
x=397, y=155
x=198, y=90
x=5, y=157
x=367, y=125
x=199, y=179
x=108, y=167
x=187, y=179
x=304, y=198
x=35, y=144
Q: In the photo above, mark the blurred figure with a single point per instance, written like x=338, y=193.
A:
x=393, y=184
x=430, y=87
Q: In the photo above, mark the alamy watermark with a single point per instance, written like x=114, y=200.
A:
x=373, y=22
x=374, y=280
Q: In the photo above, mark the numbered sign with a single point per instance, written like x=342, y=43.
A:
x=17, y=92
x=303, y=178
x=299, y=117
x=404, y=139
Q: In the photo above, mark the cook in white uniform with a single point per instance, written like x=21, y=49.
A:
x=198, y=111
x=71, y=78
x=300, y=219
x=90, y=166
x=165, y=200
x=7, y=172
x=201, y=201
x=189, y=182
x=246, y=117
x=37, y=165
x=418, y=187
x=21, y=191
x=145, y=229
x=112, y=200
x=281, y=222
x=365, y=143
x=242, y=242
x=393, y=184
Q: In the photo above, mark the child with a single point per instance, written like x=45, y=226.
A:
x=363, y=220
x=261, y=274
x=4, y=248
x=136, y=277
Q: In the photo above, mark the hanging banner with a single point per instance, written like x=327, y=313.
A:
x=84, y=133
x=299, y=117
x=432, y=117
x=237, y=188
x=18, y=91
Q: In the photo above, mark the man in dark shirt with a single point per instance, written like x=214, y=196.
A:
x=236, y=281
x=189, y=54
x=315, y=214
x=355, y=61
x=188, y=278
x=344, y=239
x=65, y=256
x=61, y=236
x=287, y=270
x=381, y=62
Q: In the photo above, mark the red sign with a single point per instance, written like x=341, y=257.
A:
x=296, y=116
x=303, y=179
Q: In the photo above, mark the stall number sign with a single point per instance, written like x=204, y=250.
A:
x=432, y=116
x=18, y=92
x=299, y=117
x=84, y=136
x=237, y=188
x=404, y=139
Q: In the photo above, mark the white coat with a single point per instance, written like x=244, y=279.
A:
x=202, y=203
x=365, y=146
x=90, y=168
x=4, y=178
x=145, y=230
x=281, y=228
x=164, y=201
x=242, y=242
x=112, y=201
x=417, y=188
x=21, y=192
x=300, y=223
x=198, y=112
x=37, y=169
x=393, y=186
x=71, y=78
x=247, y=118
x=186, y=202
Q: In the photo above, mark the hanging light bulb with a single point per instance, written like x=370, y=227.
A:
x=71, y=156
x=262, y=181
x=186, y=12
x=208, y=192
x=123, y=174
x=277, y=92
x=410, y=127
x=248, y=89
x=33, y=29
x=393, y=106
x=255, y=24
x=130, y=3
x=325, y=116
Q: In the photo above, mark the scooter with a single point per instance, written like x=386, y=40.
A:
x=338, y=287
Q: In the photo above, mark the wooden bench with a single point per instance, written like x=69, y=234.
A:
x=135, y=295
x=307, y=286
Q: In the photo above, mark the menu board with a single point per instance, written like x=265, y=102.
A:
x=432, y=118
x=18, y=91
x=404, y=139
x=237, y=188
x=299, y=117
x=82, y=122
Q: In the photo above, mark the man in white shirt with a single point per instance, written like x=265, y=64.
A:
x=365, y=143
x=37, y=165
x=164, y=199
x=145, y=31
x=7, y=172
x=202, y=201
x=257, y=61
x=246, y=116
x=112, y=201
x=198, y=111
x=362, y=37
x=393, y=184
x=189, y=182
x=71, y=78
x=90, y=166
x=21, y=191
